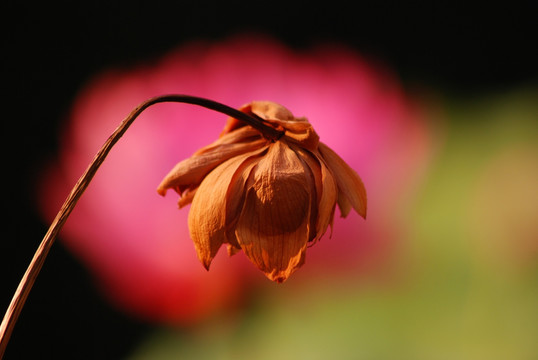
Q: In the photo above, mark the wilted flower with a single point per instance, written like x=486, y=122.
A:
x=136, y=245
x=268, y=198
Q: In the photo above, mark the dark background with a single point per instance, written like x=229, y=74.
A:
x=50, y=50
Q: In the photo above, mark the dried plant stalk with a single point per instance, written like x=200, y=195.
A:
x=27, y=281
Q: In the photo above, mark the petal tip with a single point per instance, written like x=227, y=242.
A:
x=278, y=278
x=206, y=263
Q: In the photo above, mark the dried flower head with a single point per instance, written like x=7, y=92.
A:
x=270, y=199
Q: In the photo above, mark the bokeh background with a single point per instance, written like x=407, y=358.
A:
x=445, y=267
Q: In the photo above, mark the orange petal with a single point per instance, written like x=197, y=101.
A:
x=313, y=185
x=328, y=200
x=232, y=250
x=326, y=191
x=235, y=197
x=269, y=110
x=245, y=134
x=343, y=204
x=349, y=182
x=207, y=216
x=264, y=109
x=273, y=226
x=191, y=171
x=186, y=197
x=297, y=130
x=301, y=133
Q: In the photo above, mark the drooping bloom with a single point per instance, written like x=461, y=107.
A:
x=270, y=199
x=136, y=244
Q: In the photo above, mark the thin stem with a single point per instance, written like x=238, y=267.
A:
x=27, y=281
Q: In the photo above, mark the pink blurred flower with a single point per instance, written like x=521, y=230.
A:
x=137, y=243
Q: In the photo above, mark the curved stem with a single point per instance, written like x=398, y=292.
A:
x=21, y=294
